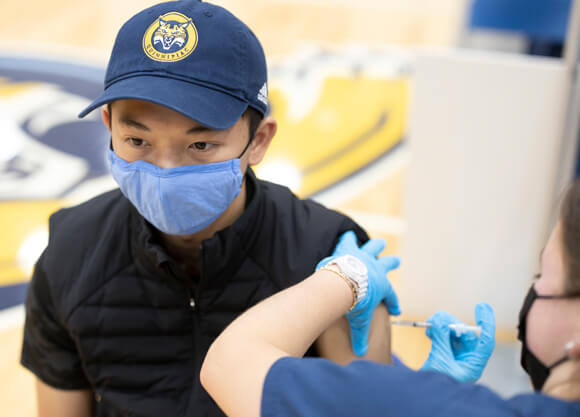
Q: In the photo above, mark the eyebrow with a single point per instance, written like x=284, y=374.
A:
x=198, y=129
x=133, y=123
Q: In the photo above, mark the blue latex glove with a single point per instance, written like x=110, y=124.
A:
x=379, y=287
x=464, y=357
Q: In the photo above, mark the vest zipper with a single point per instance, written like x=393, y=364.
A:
x=194, y=293
x=191, y=299
x=197, y=289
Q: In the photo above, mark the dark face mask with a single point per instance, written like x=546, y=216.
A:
x=537, y=371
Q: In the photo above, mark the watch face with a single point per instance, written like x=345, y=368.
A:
x=353, y=267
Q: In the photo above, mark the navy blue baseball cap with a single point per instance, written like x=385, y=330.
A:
x=192, y=57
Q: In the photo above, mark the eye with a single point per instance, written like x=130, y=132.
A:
x=136, y=142
x=537, y=277
x=201, y=146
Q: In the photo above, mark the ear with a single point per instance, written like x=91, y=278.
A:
x=262, y=139
x=184, y=25
x=106, y=117
x=162, y=22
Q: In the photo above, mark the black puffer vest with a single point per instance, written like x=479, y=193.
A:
x=140, y=326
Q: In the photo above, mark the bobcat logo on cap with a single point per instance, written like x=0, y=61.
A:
x=172, y=37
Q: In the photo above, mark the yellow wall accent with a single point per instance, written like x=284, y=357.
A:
x=347, y=110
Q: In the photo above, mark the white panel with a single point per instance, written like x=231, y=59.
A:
x=485, y=135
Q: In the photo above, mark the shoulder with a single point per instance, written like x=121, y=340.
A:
x=300, y=387
x=277, y=194
x=88, y=232
x=89, y=221
x=539, y=405
x=306, y=212
x=91, y=213
x=319, y=387
x=295, y=234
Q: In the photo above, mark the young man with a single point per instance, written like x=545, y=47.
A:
x=136, y=284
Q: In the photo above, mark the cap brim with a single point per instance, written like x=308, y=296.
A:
x=209, y=107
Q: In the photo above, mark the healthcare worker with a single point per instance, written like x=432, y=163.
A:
x=255, y=367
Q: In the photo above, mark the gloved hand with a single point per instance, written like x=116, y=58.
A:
x=464, y=357
x=379, y=287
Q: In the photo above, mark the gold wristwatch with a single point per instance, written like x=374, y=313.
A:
x=354, y=272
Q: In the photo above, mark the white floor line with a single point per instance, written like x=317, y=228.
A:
x=11, y=318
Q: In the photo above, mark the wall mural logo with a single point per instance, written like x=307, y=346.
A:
x=49, y=152
x=170, y=38
x=48, y=157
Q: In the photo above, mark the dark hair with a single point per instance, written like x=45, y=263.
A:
x=570, y=222
x=254, y=116
x=254, y=120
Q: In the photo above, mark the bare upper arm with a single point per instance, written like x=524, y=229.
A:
x=334, y=343
x=53, y=402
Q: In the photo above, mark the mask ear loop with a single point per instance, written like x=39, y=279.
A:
x=572, y=349
x=559, y=361
x=246, y=148
x=567, y=356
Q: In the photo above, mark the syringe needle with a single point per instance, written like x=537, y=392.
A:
x=411, y=323
x=458, y=328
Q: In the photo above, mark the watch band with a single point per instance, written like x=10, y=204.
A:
x=333, y=268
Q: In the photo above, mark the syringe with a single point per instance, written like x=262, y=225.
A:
x=458, y=328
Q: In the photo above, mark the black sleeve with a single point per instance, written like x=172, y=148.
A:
x=360, y=233
x=47, y=348
x=346, y=225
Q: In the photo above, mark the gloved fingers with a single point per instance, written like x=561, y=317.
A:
x=374, y=246
x=359, y=339
x=467, y=338
x=439, y=325
x=467, y=342
x=390, y=262
x=485, y=318
x=441, y=356
x=347, y=243
x=391, y=300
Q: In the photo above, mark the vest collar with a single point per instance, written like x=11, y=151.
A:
x=228, y=247
x=223, y=253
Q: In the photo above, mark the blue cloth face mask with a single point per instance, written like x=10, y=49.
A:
x=181, y=200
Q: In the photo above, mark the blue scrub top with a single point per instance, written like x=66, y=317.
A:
x=310, y=387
